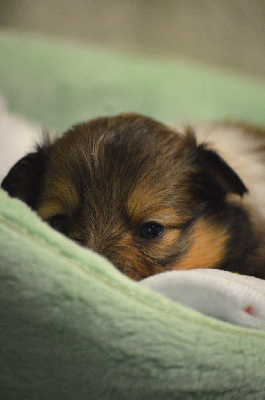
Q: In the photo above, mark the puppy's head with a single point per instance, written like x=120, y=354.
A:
x=146, y=197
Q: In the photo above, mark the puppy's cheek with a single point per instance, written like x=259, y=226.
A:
x=163, y=248
x=207, y=249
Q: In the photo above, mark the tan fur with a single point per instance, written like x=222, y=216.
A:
x=204, y=235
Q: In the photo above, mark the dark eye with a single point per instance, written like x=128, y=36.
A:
x=151, y=230
x=60, y=223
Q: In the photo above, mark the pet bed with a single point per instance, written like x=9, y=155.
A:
x=72, y=326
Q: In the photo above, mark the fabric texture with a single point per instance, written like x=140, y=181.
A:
x=72, y=326
x=220, y=294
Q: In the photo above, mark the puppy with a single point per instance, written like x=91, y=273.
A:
x=151, y=198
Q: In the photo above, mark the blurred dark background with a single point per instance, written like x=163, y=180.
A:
x=229, y=34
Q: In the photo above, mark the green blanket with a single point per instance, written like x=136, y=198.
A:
x=73, y=327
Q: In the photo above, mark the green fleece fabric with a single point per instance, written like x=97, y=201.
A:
x=72, y=326
x=60, y=84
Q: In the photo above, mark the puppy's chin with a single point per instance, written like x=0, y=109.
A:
x=145, y=196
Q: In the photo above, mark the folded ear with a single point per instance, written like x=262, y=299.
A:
x=25, y=178
x=219, y=172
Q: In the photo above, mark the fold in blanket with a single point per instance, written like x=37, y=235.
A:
x=230, y=297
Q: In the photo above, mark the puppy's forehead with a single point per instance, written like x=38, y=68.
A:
x=126, y=139
x=128, y=158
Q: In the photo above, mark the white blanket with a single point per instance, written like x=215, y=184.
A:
x=230, y=297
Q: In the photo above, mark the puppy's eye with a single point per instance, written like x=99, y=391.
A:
x=151, y=230
x=60, y=223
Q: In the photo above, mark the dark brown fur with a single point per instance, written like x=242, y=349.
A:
x=112, y=175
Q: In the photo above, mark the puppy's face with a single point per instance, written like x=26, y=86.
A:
x=146, y=197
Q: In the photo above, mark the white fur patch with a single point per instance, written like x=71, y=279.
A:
x=17, y=137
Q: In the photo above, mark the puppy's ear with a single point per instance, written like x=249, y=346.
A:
x=25, y=178
x=219, y=172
